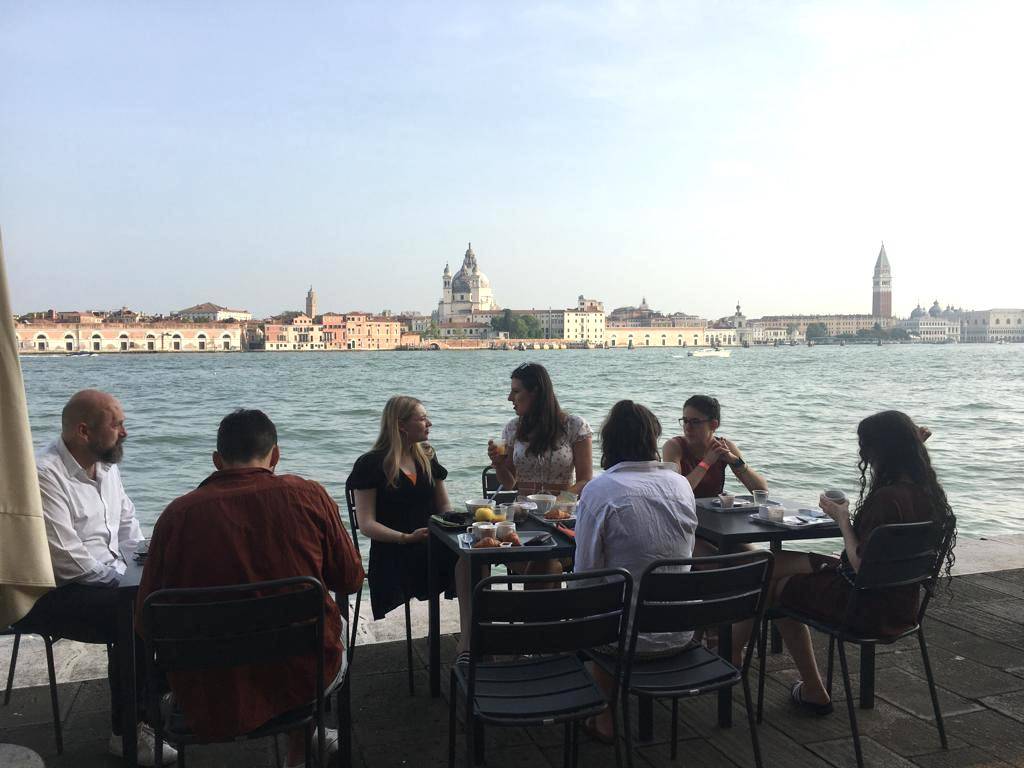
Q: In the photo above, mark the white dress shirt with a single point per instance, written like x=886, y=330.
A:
x=632, y=514
x=87, y=521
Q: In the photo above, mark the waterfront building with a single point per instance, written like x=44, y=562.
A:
x=835, y=325
x=465, y=293
x=992, y=325
x=645, y=317
x=166, y=336
x=210, y=312
x=881, y=287
x=663, y=336
x=582, y=327
x=334, y=331
x=931, y=326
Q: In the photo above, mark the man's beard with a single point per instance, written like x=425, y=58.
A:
x=111, y=455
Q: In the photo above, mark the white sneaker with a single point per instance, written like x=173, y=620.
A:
x=330, y=742
x=146, y=749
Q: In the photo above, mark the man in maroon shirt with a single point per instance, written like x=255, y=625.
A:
x=245, y=524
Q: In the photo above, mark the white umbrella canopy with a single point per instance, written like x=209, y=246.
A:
x=25, y=571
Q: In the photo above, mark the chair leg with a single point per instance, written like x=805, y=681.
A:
x=762, y=647
x=48, y=641
x=851, y=707
x=181, y=756
x=10, y=672
x=931, y=688
x=575, y=743
x=831, y=662
x=451, y=719
x=355, y=625
x=567, y=745
x=615, y=734
x=345, y=716
x=627, y=729
x=675, y=727
x=470, y=736
x=754, y=743
x=408, y=648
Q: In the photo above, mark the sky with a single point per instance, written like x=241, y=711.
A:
x=162, y=154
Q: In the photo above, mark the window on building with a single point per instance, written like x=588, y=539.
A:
x=176, y=343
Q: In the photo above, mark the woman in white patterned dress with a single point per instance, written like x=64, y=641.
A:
x=546, y=449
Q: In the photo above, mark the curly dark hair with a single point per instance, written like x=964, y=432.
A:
x=892, y=449
x=544, y=426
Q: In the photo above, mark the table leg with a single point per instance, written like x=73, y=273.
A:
x=776, y=636
x=645, y=719
x=433, y=617
x=867, y=676
x=125, y=651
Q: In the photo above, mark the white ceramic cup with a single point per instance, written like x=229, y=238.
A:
x=481, y=531
x=775, y=513
x=504, y=531
x=726, y=499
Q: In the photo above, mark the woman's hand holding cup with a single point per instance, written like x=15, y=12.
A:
x=838, y=511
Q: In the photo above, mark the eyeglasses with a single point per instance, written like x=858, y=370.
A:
x=685, y=422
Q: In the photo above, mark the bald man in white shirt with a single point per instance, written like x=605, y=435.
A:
x=89, y=518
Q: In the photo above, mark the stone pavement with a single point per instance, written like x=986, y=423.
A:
x=975, y=635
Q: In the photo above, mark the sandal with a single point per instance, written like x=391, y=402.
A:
x=808, y=706
x=590, y=726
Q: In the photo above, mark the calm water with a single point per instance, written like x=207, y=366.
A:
x=793, y=410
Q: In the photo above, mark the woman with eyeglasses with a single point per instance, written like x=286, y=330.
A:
x=398, y=485
x=548, y=449
x=702, y=456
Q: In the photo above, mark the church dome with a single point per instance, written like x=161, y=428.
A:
x=936, y=310
x=468, y=273
x=918, y=312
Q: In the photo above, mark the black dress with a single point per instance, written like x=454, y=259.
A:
x=398, y=572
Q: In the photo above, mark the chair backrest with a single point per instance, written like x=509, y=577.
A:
x=353, y=520
x=722, y=590
x=901, y=554
x=489, y=481
x=590, y=611
x=224, y=627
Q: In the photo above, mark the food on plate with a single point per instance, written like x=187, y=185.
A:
x=557, y=514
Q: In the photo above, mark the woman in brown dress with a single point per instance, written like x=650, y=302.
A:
x=898, y=485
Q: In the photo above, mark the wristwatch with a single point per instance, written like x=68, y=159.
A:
x=738, y=464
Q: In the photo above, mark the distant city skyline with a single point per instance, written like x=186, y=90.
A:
x=163, y=155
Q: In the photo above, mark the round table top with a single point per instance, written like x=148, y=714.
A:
x=15, y=756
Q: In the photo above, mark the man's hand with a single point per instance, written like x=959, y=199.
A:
x=924, y=433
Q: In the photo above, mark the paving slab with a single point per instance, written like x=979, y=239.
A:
x=1009, y=704
x=969, y=757
x=840, y=753
x=996, y=734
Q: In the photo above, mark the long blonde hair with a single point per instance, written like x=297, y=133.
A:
x=398, y=409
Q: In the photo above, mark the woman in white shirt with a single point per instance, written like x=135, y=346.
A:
x=546, y=448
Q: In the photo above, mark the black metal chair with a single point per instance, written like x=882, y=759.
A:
x=353, y=529
x=898, y=555
x=489, y=484
x=224, y=627
x=548, y=689
x=49, y=642
x=727, y=589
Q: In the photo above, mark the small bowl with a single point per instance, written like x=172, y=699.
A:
x=472, y=505
x=544, y=501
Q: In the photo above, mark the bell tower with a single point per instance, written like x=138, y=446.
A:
x=881, y=287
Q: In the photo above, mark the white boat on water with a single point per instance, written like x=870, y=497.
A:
x=709, y=352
